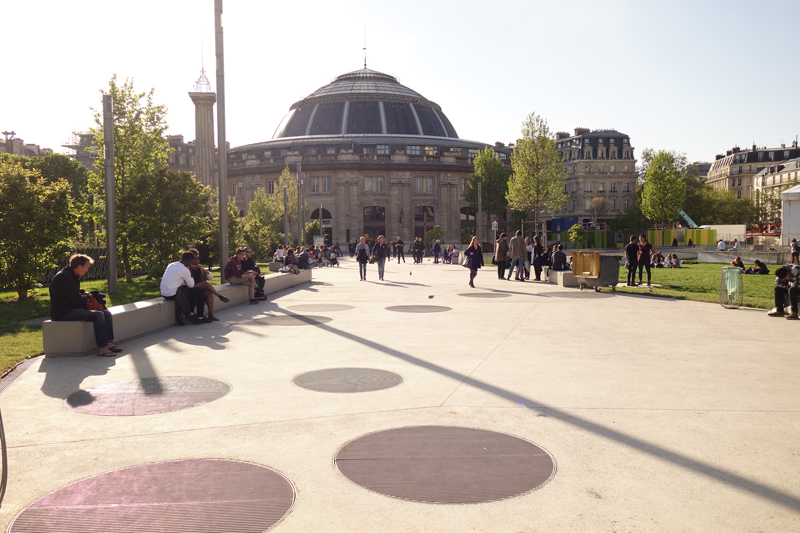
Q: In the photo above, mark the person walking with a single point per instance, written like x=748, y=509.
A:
x=351, y=247
x=645, y=251
x=474, y=257
x=398, y=246
x=380, y=252
x=631, y=255
x=362, y=256
x=501, y=255
x=437, y=250
x=537, y=257
x=528, y=257
x=517, y=250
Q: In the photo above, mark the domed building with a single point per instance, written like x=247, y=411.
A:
x=378, y=157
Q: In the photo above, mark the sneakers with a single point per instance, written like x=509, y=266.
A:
x=205, y=320
x=776, y=312
x=194, y=320
x=792, y=316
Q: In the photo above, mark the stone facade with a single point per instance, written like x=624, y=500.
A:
x=599, y=164
x=735, y=170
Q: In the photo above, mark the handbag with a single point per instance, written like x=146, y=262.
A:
x=465, y=262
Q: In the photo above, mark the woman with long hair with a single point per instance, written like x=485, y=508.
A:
x=474, y=257
x=362, y=256
x=381, y=252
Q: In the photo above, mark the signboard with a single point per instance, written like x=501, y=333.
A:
x=319, y=240
x=494, y=225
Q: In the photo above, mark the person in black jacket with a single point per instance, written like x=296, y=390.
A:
x=68, y=303
x=474, y=256
x=248, y=263
x=631, y=254
x=381, y=252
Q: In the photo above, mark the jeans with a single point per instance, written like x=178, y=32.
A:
x=362, y=269
x=632, y=265
x=101, y=321
x=381, y=265
x=519, y=262
x=644, y=264
x=780, y=298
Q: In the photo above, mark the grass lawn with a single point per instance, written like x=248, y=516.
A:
x=18, y=342
x=701, y=283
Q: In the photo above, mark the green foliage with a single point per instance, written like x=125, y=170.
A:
x=259, y=226
x=167, y=209
x=515, y=221
x=37, y=224
x=767, y=204
x=577, y=235
x=489, y=172
x=312, y=229
x=664, y=192
x=287, y=180
x=235, y=237
x=466, y=235
x=537, y=184
x=598, y=207
x=139, y=149
x=631, y=221
x=434, y=234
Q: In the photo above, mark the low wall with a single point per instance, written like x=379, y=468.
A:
x=140, y=318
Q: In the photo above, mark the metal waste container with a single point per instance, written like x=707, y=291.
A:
x=591, y=268
x=731, y=288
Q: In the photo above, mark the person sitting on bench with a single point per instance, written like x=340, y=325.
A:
x=249, y=265
x=68, y=304
x=787, y=281
x=560, y=260
x=202, y=278
x=178, y=284
x=236, y=275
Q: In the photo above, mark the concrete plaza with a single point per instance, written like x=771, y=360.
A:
x=661, y=415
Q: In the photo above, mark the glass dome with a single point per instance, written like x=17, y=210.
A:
x=365, y=102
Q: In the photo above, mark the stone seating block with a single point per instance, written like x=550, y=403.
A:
x=563, y=278
x=140, y=318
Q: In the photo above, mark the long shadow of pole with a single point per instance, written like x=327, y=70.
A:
x=724, y=476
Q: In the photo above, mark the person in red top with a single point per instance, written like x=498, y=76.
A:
x=645, y=250
x=236, y=276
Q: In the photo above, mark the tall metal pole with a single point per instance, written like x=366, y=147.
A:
x=300, y=229
x=321, y=234
x=222, y=151
x=285, y=217
x=111, y=205
x=479, y=218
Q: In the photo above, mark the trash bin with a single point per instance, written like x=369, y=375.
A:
x=591, y=268
x=731, y=288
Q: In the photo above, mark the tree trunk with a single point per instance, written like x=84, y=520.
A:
x=126, y=262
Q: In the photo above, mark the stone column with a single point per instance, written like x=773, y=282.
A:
x=204, y=137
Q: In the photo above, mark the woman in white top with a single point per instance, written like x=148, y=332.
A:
x=529, y=257
x=280, y=253
x=362, y=256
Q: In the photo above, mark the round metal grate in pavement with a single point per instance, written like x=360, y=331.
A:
x=321, y=307
x=147, y=396
x=419, y=308
x=443, y=464
x=348, y=380
x=292, y=320
x=484, y=295
x=186, y=496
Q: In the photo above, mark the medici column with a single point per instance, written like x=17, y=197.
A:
x=204, y=101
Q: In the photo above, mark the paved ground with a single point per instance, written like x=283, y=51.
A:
x=660, y=415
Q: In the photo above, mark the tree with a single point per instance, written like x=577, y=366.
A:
x=235, y=239
x=312, y=229
x=537, y=184
x=577, y=235
x=489, y=172
x=664, y=192
x=276, y=200
x=598, y=207
x=167, y=207
x=37, y=223
x=466, y=235
x=139, y=149
x=259, y=226
x=434, y=234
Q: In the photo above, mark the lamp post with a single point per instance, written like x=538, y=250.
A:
x=222, y=151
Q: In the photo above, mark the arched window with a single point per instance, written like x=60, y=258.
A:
x=325, y=214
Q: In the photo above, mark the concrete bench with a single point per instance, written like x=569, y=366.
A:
x=564, y=278
x=140, y=318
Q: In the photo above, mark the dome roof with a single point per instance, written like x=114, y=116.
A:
x=365, y=102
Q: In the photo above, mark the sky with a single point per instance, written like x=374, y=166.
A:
x=697, y=77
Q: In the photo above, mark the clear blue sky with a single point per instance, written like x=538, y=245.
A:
x=692, y=76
